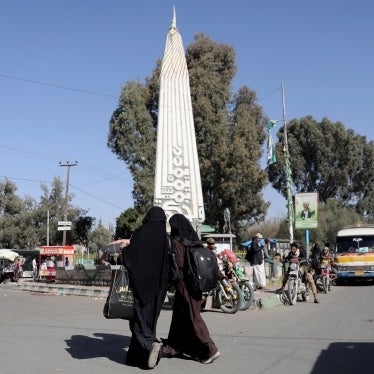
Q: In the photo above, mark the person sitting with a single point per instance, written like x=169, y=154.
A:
x=104, y=260
x=229, y=260
x=50, y=263
x=297, y=255
x=327, y=259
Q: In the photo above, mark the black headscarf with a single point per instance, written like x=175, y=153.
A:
x=146, y=256
x=181, y=228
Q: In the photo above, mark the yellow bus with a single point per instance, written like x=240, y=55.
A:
x=354, y=254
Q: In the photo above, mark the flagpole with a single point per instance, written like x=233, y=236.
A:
x=290, y=209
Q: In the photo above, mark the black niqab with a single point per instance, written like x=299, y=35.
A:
x=146, y=256
x=181, y=228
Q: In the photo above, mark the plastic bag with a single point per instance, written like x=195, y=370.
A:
x=120, y=301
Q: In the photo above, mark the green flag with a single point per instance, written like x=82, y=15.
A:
x=271, y=124
x=271, y=151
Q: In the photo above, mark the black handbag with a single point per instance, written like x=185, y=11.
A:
x=120, y=301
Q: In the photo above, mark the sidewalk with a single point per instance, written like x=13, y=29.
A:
x=264, y=299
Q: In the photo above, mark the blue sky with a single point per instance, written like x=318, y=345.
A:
x=322, y=51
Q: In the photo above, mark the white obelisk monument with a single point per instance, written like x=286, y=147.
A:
x=177, y=180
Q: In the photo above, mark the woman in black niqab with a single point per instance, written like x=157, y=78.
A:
x=146, y=261
x=188, y=332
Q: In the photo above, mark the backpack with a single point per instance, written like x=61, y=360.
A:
x=201, y=268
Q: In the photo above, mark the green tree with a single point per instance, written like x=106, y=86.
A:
x=24, y=221
x=245, y=179
x=211, y=69
x=52, y=206
x=364, y=182
x=218, y=122
x=82, y=228
x=28, y=226
x=11, y=209
x=10, y=203
x=333, y=216
x=99, y=237
x=328, y=159
x=132, y=137
x=127, y=223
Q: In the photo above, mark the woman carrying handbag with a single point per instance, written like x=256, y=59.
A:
x=146, y=260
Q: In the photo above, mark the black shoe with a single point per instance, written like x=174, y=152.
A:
x=168, y=352
x=316, y=301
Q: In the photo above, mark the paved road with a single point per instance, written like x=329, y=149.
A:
x=67, y=334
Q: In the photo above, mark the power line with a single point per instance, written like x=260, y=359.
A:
x=269, y=94
x=75, y=187
x=89, y=169
x=93, y=92
x=97, y=198
x=57, y=86
x=25, y=179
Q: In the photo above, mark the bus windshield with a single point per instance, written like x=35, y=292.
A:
x=355, y=244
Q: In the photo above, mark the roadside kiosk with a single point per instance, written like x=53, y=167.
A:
x=53, y=257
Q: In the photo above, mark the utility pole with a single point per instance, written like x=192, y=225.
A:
x=68, y=165
x=290, y=209
x=48, y=227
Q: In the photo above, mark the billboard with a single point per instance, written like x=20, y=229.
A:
x=306, y=210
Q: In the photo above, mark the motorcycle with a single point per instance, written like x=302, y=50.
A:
x=227, y=296
x=298, y=289
x=236, y=272
x=323, y=279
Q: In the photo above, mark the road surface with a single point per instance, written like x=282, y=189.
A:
x=43, y=334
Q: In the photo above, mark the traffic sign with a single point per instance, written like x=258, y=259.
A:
x=64, y=228
x=64, y=223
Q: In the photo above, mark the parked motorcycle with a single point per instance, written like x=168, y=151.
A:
x=227, y=296
x=236, y=272
x=298, y=288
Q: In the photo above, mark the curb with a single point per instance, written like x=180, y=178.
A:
x=270, y=302
x=263, y=303
x=90, y=292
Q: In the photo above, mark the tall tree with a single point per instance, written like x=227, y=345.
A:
x=242, y=186
x=11, y=209
x=132, y=137
x=10, y=203
x=52, y=206
x=99, y=237
x=328, y=159
x=211, y=69
x=364, y=182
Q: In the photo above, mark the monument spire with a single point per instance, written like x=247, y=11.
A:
x=177, y=180
x=174, y=21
